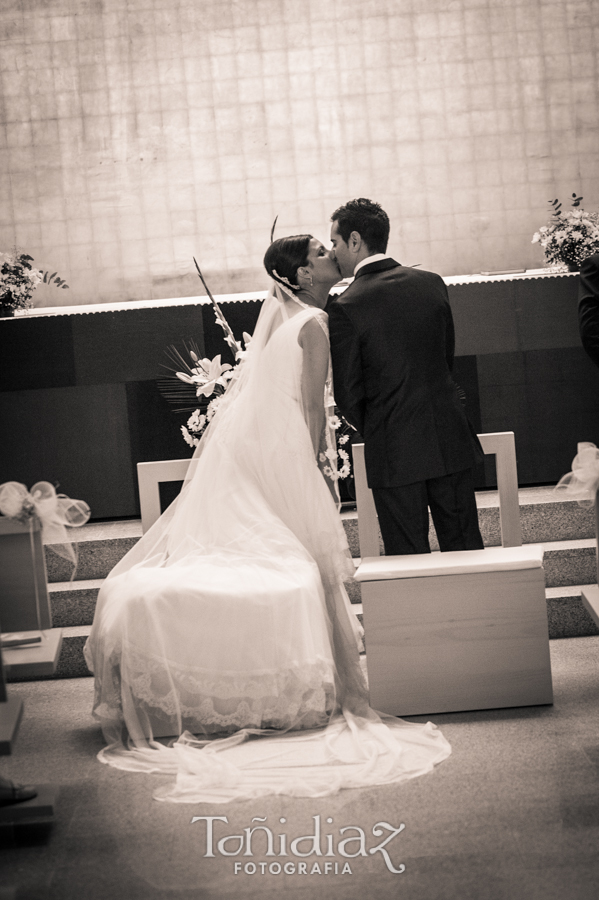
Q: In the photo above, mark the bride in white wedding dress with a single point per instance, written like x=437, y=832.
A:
x=228, y=626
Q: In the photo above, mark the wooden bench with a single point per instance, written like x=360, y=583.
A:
x=465, y=630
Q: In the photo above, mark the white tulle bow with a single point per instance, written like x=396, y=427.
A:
x=582, y=482
x=55, y=511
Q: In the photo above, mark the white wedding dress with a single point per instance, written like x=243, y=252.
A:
x=228, y=626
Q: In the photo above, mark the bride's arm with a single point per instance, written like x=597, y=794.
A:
x=315, y=367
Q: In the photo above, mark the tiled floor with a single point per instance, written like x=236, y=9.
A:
x=512, y=815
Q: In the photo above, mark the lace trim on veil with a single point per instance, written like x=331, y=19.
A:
x=300, y=697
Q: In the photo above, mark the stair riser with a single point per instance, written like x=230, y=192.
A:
x=575, y=566
x=566, y=616
x=555, y=522
x=71, y=607
x=543, y=523
x=563, y=567
x=96, y=560
x=540, y=523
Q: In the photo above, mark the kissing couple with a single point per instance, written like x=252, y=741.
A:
x=227, y=629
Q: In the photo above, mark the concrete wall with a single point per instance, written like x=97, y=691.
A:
x=137, y=133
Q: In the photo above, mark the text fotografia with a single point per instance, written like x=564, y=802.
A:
x=351, y=842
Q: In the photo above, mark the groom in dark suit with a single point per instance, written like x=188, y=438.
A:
x=392, y=345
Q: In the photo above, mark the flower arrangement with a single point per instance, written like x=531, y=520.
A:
x=18, y=280
x=200, y=387
x=343, y=429
x=570, y=237
x=211, y=379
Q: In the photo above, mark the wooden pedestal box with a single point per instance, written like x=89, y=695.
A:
x=447, y=632
x=24, y=601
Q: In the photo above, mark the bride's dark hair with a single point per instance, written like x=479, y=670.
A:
x=284, y=257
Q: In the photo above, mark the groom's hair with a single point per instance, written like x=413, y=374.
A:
x=284, y=257
x=367, y=218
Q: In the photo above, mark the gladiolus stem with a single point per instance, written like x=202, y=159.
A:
x=225, y=325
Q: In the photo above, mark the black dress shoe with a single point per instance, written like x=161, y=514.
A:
x=15, y=793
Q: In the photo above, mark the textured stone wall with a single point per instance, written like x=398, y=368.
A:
x=137, y=133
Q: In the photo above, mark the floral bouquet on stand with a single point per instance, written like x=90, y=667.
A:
x=197, y=385
x=570, y=237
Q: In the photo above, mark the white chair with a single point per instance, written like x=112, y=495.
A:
x=455, y=631
x=150, y=475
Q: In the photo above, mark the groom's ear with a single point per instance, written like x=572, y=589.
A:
x=354, y=241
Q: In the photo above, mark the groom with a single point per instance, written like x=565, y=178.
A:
x=392, y=345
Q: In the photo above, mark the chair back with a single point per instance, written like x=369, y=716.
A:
x=501, y=444
x=150, y=475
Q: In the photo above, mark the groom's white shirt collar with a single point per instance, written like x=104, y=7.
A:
x=376, y=257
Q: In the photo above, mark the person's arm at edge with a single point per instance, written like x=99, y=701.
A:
x=588, y=307
x=449, y=332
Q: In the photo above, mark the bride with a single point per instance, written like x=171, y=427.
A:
x=229, y=619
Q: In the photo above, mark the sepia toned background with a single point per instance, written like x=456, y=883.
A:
x=137, y=133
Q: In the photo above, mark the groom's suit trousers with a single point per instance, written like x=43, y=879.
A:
x=403, y=514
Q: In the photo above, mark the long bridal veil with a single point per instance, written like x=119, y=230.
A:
x=228, y=627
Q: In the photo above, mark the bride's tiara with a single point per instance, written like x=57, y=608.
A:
x=284, y=280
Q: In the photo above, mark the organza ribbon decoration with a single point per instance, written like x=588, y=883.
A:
x=55, y=512
x=582, y=482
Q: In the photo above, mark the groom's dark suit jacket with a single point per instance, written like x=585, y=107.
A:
x=392, y=346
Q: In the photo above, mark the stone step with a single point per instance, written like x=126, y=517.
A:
x=565, y=529
x=545, y=517
x=73, y=603
x=100, y=546
x=567, y=565
x=566, y=615
x=570, y=562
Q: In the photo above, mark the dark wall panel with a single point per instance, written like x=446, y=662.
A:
x=81, y=405
x=77, y=438
x=155, y=430
x=546, y=309
x=495, y=331
x=516, y=314
x=36, y=353
x=131, y=345
x=549, y=399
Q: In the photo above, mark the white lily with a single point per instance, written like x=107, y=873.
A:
x=206, y=375
x=214, y=370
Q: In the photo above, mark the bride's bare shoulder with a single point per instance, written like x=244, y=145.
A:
x=315, y=329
